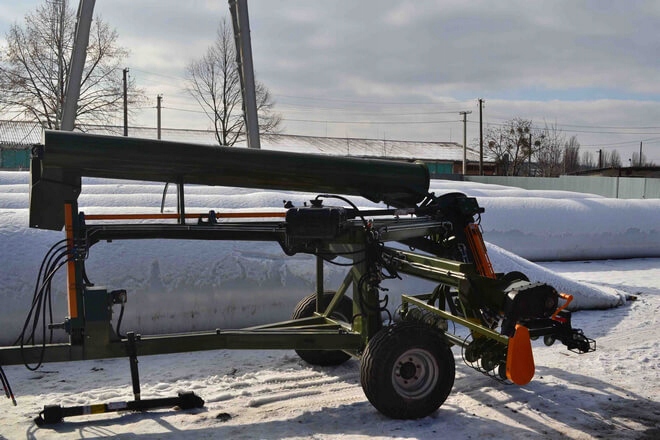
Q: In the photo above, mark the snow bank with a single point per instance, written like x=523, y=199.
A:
x=192, y=285
x=585, y=295
x=561, y=225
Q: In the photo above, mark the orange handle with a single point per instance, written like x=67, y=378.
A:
x=568, y=299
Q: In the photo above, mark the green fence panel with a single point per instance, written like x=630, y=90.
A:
x=15, y=159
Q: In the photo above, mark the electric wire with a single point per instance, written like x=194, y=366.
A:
x=5, y=385
x=121, y=316
x=41, y=308
x=377, y=268
x=45, y=262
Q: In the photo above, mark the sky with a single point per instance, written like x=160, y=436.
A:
x=405, y=69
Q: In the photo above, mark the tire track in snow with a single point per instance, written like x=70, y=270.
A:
x=293, y=389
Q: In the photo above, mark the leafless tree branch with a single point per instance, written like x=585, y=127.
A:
x=214, y=82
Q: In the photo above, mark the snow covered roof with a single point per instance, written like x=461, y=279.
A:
x=27, y=133
x=19, y=134
x=406, y=150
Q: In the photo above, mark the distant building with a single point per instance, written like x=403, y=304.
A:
x=442, y=158
x=16, y=140
x=652, y=171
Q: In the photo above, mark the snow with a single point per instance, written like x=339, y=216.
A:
x=563, y=225
x=610, y=393
x=215, y=283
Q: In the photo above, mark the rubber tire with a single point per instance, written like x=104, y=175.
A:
x=378, y=370
x=344, y=312
x=514, y=276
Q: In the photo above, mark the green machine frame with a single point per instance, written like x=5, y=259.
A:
x=407, y=367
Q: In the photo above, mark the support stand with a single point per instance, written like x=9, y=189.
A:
x=53, y=414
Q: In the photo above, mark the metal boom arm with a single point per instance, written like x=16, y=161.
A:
x=58, y=165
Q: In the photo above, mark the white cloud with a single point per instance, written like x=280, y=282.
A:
x=560, y=60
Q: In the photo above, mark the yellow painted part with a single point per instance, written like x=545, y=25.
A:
x=520, y=359
x=97, y=409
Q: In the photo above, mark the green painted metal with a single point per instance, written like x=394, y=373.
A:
x=66, y=156
x=299, y=338
x=436, y=168
x=422, y=302
x=15, y=159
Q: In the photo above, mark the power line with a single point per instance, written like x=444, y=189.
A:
x=323, y=121
x=371, y=122
x=606, y=127
x=612, y=127
x=347, y=110
x=651, y=141
x=581, y=131
x=183, y=110
x=309, y=98
x=159, y=74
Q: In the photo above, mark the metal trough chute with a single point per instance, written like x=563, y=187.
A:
x=65, y=157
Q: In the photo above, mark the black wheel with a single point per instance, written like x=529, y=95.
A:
x=514, y=276
x=501, y=371
x=407, y=370
x=343, y=312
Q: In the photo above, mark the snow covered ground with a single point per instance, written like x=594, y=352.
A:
x=611, y=393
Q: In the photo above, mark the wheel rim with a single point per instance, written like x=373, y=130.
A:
x=415, y=374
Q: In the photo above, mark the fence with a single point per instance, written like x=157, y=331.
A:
x=14, y=159
x=612, y=187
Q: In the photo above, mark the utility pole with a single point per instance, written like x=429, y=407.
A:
x=529, y=163
x=61, y=87
x=159, y=98
x=464, y=140
x=481, y=137
x=640, y=153
x=126, y=101
x=241, y=24
x=600, y=159
x=79, y=53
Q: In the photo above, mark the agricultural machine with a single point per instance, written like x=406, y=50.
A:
x=406, y=361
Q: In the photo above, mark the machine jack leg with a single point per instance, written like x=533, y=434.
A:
x=53, y=414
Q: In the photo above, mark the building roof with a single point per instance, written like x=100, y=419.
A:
x=650, y=171
x=28, y=133
x=19, y=134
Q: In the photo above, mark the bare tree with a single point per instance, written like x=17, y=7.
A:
x=214, y=81
x=614, y=160
x=549, y=151
x=510, y=144
x=638, y=161
x=572, y=155
x=587, y=162
x=34, y=69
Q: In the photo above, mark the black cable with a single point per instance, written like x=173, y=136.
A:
x=353, y=263
x=357, y=210
x=43, y=295
x=46, y=262
x=44, y=292
x=373, y=253
x=5, y=385
x=121, y=316
x=57, y=256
